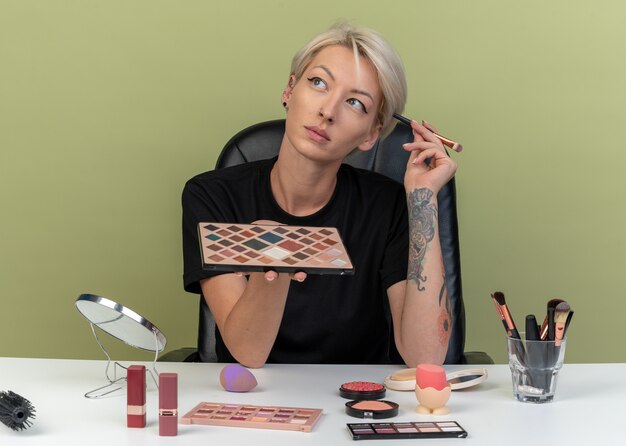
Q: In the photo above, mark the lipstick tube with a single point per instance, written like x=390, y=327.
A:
x=168, y=404
x=136, y=396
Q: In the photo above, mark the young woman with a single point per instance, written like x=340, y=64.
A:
x=343, y=88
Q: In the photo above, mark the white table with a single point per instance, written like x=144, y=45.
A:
x=589, y=407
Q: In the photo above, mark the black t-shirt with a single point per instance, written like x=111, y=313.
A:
x=327, y=318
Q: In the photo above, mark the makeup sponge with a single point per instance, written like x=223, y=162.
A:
x=235, y=378
x=430, y=375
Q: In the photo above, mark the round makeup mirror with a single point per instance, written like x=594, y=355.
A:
x=121, y=322
x=125, y=325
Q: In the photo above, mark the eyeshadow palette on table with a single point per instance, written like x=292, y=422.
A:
x=404, y=430
x=259, y=417
x=255, y=247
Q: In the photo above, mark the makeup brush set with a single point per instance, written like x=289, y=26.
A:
x=554, y=326
x=540, y=355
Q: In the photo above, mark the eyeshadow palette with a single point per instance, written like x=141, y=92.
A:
x=390, y=431
x=258, y=417
x=249, y=248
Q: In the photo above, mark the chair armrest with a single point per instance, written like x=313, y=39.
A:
x=477, y=358
x=186, y=354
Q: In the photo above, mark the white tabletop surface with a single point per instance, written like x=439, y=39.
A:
x=588, y=409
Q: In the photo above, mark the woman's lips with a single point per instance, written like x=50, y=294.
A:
x=317, y=134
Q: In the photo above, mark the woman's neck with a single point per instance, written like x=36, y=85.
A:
x=300, y=186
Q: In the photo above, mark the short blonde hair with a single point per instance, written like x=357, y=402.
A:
x=378, y=51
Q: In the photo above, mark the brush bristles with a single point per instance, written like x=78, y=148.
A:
x=561, y=312
x=552, y=303
x=16, y=411
x=499, y=297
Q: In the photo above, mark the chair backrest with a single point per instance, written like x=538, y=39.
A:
x=262, y=141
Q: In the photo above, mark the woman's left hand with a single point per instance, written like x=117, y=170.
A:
x=440, y=169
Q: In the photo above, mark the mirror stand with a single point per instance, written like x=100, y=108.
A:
x=125, y=325
x=116, y=383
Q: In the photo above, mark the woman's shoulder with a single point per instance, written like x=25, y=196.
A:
x=247, y=171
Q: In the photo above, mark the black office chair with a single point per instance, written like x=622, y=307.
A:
x=262, y=141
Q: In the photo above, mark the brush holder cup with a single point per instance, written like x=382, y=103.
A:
x=535, y=367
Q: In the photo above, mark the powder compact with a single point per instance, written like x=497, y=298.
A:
x=362, y=390
x=372, y=409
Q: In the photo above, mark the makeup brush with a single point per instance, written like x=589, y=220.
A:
x=16, y=411
x=569, y=319
x=548, y=322
x=511, y=331
x=533, y=357
x=500, y=302
x=561, y=313
x=447, y=142
x=501, y=314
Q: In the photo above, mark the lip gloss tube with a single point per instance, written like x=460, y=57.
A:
x=136, y=396
x=168, y=404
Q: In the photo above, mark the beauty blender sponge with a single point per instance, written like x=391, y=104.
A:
x=235, y=378
x=431, y=375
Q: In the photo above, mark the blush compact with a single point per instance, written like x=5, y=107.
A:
x=372, y=409
x=362, y=390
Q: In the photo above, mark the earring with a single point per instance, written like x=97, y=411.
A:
x=285, y=104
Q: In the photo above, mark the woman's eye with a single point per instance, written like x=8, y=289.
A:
x=317, y=82
x=357, y=104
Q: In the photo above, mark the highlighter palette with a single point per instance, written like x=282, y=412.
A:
x=258, y=417
x=249, y=248
x=397, y=431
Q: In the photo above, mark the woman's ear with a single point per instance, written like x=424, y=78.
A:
x=291, y=82
x=371, y=138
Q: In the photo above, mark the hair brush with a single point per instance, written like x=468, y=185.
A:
x=16, y=411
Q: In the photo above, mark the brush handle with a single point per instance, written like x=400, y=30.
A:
x=543, y=332
x=534, y=356
x=446, y=141
x=515, y=334
x=569, y=319
x=550, y=324
x=532, y=331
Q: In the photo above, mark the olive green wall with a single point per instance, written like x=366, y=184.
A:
x=107, y=107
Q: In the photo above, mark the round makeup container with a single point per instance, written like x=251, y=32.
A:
x=372, y=409
x=362, y=390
